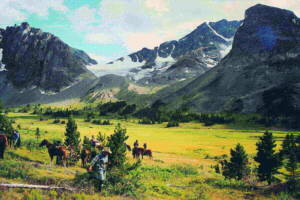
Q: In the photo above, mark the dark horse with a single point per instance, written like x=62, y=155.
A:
x=58, y=151
x=137, y=152
x=85, y=155
x=148, y=152
x=3, y=145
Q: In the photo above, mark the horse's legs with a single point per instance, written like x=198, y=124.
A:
x=1, y=153
x=51, y=160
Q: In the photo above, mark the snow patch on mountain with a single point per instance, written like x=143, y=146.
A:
x=225, y=49
x=216, y=33
x=122, y=66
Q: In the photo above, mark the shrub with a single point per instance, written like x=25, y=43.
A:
x=172, y=124
x=146, y=121
x=56, y=121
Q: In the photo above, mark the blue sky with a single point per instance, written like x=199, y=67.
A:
x=108, y=29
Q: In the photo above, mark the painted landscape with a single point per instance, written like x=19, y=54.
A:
x=211, y=112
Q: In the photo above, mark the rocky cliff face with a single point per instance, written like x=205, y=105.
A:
x=188, y=57
x=265, y=54
x=37, y=67
x=34, y=58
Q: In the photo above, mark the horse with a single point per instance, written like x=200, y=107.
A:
x=148, y=152
x=137, y=152
x=3, y=145
x=58, y=151
x=85, y=156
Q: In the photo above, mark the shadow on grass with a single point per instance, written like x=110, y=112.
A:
x=18, y=157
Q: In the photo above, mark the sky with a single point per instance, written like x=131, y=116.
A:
x=109, y=29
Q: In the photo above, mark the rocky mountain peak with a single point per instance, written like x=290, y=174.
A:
x=34, y=58
x=267, y=31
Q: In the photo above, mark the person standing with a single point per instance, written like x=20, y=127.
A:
x=99, y=165
x=16, y=137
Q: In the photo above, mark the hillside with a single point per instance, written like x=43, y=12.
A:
x=265, y=55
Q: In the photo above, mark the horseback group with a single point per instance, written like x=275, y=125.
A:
x=140, y=152
x=13, y=141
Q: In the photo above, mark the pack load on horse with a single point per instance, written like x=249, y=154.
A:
x=58, y=151
x=99, y=165
x=3, y=144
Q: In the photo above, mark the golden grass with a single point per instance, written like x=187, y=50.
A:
x=189, y=144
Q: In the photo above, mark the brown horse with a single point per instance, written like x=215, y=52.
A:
x=148, y=152
x=137, y=152
x=85, y=156
x=58, y=151
x=3, y=145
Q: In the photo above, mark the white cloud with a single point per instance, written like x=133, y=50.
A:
x=99, y=38
x=83, y=18
x=13, y=11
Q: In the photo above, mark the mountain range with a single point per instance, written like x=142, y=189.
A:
x=181, y=59
x=224, y=65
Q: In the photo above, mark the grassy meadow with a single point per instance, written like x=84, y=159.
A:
x=181, y=167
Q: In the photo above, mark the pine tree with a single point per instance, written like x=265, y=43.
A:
x=269, y=161
x=289, y=152
x=72, y=135
x=37, y=133
x=116, y=144
x=6, y=125
x=237, y=167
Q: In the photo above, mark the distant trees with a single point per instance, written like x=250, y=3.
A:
x=237, y=167
x=268, y=160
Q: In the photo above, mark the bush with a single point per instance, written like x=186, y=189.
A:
x=56, y=121
x=146, y=121
x=172, y=124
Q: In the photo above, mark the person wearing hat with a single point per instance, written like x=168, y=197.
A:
x=98, y=165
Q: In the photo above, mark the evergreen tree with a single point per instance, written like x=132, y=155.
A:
x=237, y=167
x=102, y=138
x=289, y=151
x=269, y=161
x=116, y=144
x=37, y=133
x=6, y=125
x=72, y=135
